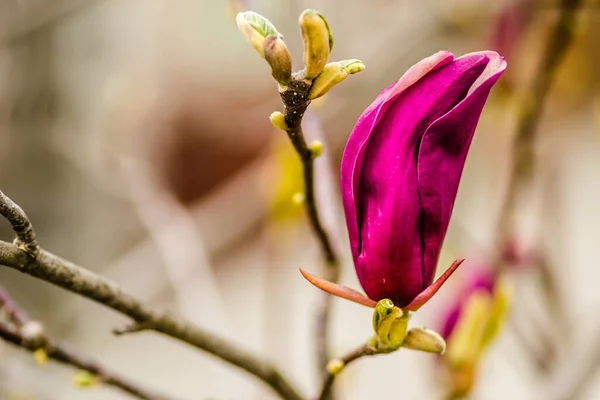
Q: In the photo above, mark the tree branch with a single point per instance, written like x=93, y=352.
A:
x=20, y=224
x=65, y=274
x=30, y=335
x=335, y=370
x=65, y=355
x=295, y=101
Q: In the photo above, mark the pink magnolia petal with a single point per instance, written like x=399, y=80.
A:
x=355, y=148
x=339, y=290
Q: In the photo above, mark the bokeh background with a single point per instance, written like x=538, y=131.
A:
x=135, y=135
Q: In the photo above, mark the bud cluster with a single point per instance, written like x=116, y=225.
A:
x=317, y=77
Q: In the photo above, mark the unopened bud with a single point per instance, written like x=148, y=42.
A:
x=464, y=343
x=279, y=58
x=424, y=339
x=278, y=120
x=332, y=74
x=84, y=379
x=318, y=42
x=40, y=356
x=316, y=148
x=255, y=28
x=335, y=366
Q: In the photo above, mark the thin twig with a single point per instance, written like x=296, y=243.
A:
x=295, y=101
x=326, y=390
x=20, y=224
x=66, y=355
x=65, y=274
x=17, y=316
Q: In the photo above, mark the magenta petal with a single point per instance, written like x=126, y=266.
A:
x=442, y=156
x=401, y=169
x=390, y=263
x=355, y=147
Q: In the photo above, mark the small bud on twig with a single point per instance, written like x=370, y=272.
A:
x=255, y=29
x=318, y=42
x=335, y=366
x=84, y=379
x=424, y=339
x=278, y=120
x=40, y=356
x=332, y=74
x=316, y=148
x=279, y=58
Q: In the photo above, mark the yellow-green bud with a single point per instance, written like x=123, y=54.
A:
x=424, y=339
x=278, y=56
x=332, y=74
x=255, y=29
x=335, y=366
x=318, y=42
x=83, y=379
x=316, y=148
x=40, y=356
x=278, y=120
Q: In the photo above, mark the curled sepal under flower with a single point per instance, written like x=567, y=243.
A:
x=350, y=294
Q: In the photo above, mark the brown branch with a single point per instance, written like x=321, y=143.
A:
x=295, y=101
x=66, y=355
x=67, y=275
x=20, y=224
x=327, y=389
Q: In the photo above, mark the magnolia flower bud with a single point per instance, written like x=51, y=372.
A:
x=332, y=74
x=255, y=29
x=318, y=42
x=279, y=58
x=424, y=339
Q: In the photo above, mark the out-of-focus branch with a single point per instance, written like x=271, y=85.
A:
x=295, y=101
x=336, y=367
x=65, y=274
x=65, y=355
x=30, y=335
x=15, y=314
x=523, y=146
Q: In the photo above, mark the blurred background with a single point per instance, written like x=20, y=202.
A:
x=135, y=136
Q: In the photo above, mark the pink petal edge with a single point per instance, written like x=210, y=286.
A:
x=432, y=289
x=339, y=290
